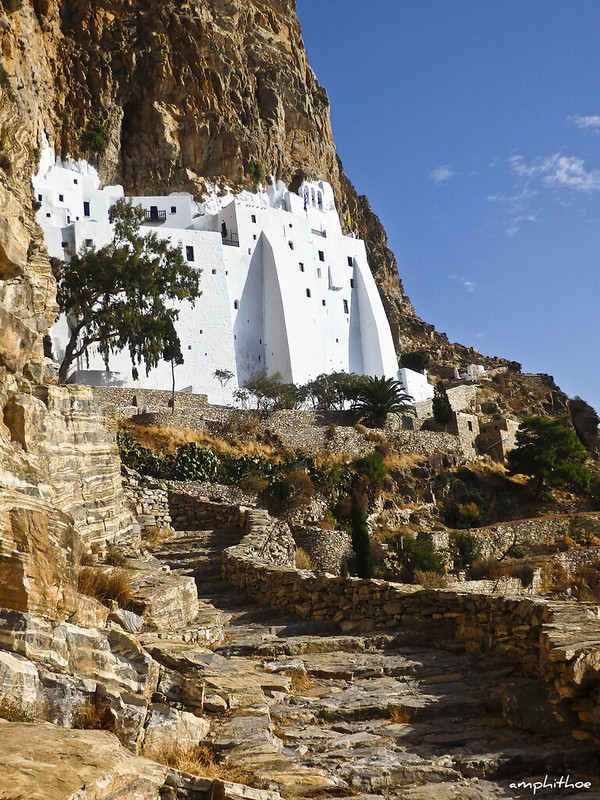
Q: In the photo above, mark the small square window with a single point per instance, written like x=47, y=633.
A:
x=189, y=346
x=253, y=217
x=173, y=209
x=308, y=292
x=189, y=252
x=254, y=236
x=39, y=198
x=323, y=302
x=75, y=181
x=89, y=242
x=48, y=214
x=61, y=198
x=321, y=255
x=350, y=261
x=214, y=271
x=64, y=245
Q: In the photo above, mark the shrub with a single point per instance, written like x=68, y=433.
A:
x=106, y=585
x=417, y=360
x=344, y=571
x=584, y=530
x=195, y=463
x=96, y=138
x=417, y=554
x=465, y=549
x=293, y=491
x=256, y=171
x=372, y=466
x=361, y=541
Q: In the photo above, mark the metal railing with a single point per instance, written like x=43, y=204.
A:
x=154, y=215
x=230, y=238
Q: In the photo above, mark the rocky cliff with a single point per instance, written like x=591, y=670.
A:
x=164, y=95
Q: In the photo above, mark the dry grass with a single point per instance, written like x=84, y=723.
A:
x=105, y=585
x=114, y=557
x=154, y=536
x=301, y=682
x=94, y=715
x=170, y=439
x=430, y=579
x=10, y=711
x=198, y=760
x=397, y=461
x=303, y=559
x=399, y=715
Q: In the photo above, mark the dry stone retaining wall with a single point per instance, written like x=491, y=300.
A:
x=558, y=641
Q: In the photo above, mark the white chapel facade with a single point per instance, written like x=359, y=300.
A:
x=283, y=289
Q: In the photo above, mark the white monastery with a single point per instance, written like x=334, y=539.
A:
x=283, y=289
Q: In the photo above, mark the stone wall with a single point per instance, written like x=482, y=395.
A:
x=114, y=399
x=495, y=540
x=325, y=548
x=558, y=641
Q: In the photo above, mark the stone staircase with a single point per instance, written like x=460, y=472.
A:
x=309, y=712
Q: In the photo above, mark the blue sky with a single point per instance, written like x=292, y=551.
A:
x=473, y=126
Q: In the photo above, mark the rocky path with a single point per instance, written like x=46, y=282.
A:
x=313, y=713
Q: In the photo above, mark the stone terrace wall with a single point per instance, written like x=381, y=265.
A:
x=113, y=398
x=496, y=539
x=325, y=548
x=557, y=641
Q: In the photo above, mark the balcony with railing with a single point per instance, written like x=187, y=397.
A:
x=230, y=238
x=154, y=215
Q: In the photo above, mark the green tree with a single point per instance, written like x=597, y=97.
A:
x=442, y=410
x=419, y=554
x=116, y=296
x=379, y=397
x=550, y=454
x=361, y=541
x=331, y=392
x=417, y=360
x=270, y=393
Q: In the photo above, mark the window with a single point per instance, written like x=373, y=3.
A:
x=308, y=292
x=323, y=302
x=189, y=252
x=68, y=219
x=321, y=255
x=75, y=181
x=352, y=283
x=39, y=198
x=214, y=271
x=86, y=208
x=89, y=242
x=173, y=209
x=253, y=218
x=48, y=214
x=236, y=303
x=350, y=261
x=345, y=307
x=318, y=272
x=189, y=346
x=254, y=236
x=470, y=424
x=61, y=198
x=291, y=244
x=301, y=265
x=64, y=245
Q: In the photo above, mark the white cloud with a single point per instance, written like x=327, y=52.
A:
x=468, y=286
x=557, y=171
x=586, y=123
x=442, y=174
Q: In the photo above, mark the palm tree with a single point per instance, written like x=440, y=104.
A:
x=379, y=397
